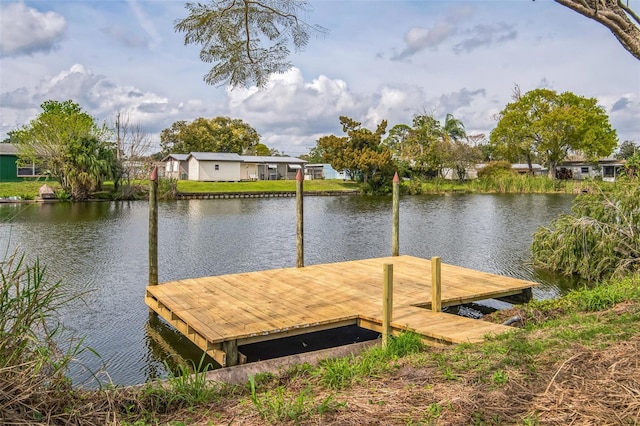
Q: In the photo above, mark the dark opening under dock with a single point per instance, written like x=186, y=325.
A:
x=219, y=313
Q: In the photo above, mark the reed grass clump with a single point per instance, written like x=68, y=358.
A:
x=33, y=383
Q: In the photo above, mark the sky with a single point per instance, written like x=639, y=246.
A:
x=380, y=59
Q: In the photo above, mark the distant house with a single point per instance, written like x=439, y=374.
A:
x=607, y=168
x=9, y=170
x=257, y=167
x=452, y=174
x=523, y=168
x=230, y=167
x=214, y=166
x=176, y=166
x=322, y=171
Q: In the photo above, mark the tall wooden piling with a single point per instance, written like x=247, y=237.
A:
x=153, y=227
x=395, y=231
x=300, y=219
x=436, y=284
x=387, y=302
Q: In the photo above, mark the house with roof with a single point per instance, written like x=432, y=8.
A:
x=176, y=166
x=230, y=167
x=607, y=168
x=9, y=170
x=214, y=166
x=322, y=171
x=255, y=167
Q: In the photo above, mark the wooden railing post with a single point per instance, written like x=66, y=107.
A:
x=395, y=230
x=436, y=285
x=300, y=219
x=153, y=227
x=387, y=302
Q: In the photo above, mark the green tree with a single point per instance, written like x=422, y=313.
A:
x=314, y=156
x=549, y=126
x=219, y=134
x=627, y=149
x=262, y=150
x=67, y=143
x=247, y=40
x=425, y=145
x=462, y=157
x=453, y=128
x=632, y=166
x=361, y=153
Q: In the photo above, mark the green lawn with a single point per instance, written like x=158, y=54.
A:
x=266, y=186
x=27, y=190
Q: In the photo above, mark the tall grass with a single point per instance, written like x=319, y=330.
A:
x=504, y=183
x=515, y=183
x=33, y=382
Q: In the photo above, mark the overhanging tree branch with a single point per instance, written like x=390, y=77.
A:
x=619, y=18
x=246, y=40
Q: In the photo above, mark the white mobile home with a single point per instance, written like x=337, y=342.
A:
x=322, y=171
x=214, y=166
x=230, y=167
x=256, y=167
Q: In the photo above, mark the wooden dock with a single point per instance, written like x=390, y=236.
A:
x=220, y=313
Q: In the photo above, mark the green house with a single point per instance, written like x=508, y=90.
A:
x=9, y=170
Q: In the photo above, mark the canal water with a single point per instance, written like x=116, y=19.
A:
x=99, y=250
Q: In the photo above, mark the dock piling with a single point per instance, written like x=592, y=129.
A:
x=153, y=227
x=300, y=219
x=436, y=284
x=395, y=231
x=387, y=302
x=230, y=348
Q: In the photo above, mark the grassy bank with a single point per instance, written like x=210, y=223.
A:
x=512, y=184
x=504, y=184
x=26, y=190
x=266, y=186
x=573, y=360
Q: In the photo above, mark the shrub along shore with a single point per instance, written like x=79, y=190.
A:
x=28, y=190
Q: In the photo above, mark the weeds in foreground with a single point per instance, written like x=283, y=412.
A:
x=279, y=405
x=33, y=382
x=340, y=373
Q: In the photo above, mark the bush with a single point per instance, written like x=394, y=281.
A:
x=601, y=237
x=496, y=168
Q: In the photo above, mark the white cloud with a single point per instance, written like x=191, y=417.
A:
x=26, y=30
x=421, y=38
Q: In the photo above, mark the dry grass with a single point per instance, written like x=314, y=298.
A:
x=580, y=386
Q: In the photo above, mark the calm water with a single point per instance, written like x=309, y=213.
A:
x=100, y=249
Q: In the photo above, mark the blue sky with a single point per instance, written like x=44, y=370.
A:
x=381, y=59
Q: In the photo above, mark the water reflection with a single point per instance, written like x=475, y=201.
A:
x=100, y=249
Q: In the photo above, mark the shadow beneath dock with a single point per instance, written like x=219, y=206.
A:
x=307, y=343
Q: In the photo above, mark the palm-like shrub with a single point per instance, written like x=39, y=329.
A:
x=599, y=239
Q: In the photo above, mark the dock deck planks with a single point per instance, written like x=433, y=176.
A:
x=265, y=305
